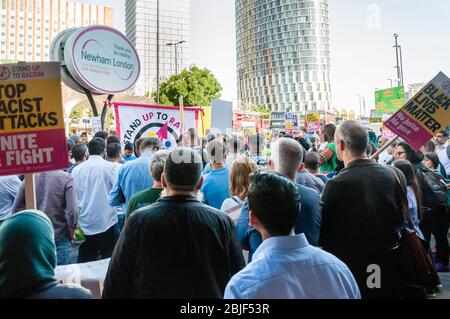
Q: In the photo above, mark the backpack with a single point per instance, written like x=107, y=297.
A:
x=434, y=193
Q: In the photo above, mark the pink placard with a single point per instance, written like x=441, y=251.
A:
x=408, y=129
x=31, y=152
x=311, y=127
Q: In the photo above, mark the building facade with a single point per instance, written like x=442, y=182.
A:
x=174, y=39
x=283, y=54
x=29, y=26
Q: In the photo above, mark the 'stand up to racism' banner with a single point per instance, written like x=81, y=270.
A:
x=136, y=121
x=32, y=135
x=425, y=115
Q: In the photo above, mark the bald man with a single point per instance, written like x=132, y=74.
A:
x=360, y=214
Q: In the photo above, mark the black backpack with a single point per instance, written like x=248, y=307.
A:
x=433, y=191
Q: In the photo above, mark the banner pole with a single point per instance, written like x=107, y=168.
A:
x=384, y=147
x=30, y=192
x=181, y=113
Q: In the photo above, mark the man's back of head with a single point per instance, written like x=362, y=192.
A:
x=112, y=139
x=183, y=170
x=234, y=144
x=101, y=134
x=79, y=152
x=312, y=161
x=216, y=152
x=286, y=157
x=157, y=164
x=97, y=146
x=274, y=200
x=351, y=140
x=150, y=144
x=114, y=151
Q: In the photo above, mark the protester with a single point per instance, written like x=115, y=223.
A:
x=192, y=141
x=80, y=154
x=151, y=195
x=128, y=152
x=112, y=139
x=216, y=184
x=9, y=187
x=56, y=197
x=413, y=194
x=328, y=159
x=28, y=260
x=177, y=247
x=443, y=150
x=241, y=170
x=94, y=180
x=256, y=144
x=312, y=164
x=70, y=144
x=387, y=156
x=285, y=266
x=305, y=178
x=137, y=147
x=361, y=213
x=101, y=134
x=134, y=176
x=234, y=146
x=434, y=205
x=286, y=158
x=114, y=153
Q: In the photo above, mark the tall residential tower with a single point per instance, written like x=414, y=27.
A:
x=283, y=54
x=174, y=39
x=27, y=27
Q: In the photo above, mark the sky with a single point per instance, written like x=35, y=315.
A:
x=361, y=32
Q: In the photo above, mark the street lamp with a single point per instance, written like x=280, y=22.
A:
x=175, y=44
x=399, y=67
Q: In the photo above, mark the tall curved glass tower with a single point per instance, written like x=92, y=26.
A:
x=283, y=54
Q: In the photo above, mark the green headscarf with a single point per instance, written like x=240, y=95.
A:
x=27, y=253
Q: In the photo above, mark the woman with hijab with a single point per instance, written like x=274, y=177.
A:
x=28, y=260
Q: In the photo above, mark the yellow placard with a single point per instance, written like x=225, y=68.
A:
x=30, y=105
x=313, y=117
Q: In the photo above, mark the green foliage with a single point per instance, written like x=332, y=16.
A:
x=197, y=86
x=263, y=110
x=80, y=112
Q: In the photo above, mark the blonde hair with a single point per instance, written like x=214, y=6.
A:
x=241, y=170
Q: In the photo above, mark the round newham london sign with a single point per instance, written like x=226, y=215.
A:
x=102, y=60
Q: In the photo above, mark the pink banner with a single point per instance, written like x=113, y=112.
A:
x=311, y=127
x=408, y=129
x=31, y=152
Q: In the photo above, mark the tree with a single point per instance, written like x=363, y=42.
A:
x=263, y=110
x=197, y=86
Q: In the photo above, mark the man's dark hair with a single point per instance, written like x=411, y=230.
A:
x=216, y=151
x=312, y=160
x=101, y=134
x=97, y=146
x=274, y=200
x=355, y=136
x=78, y=152
x=183, y=169
x=330, y=130
x=129, y=147
x=112, y=139
x=84, y=134
x=70, y=144
x=150, y=142
x=113, y=150
x=137, y=146
x=234, y=144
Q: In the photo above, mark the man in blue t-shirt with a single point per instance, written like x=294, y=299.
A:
x=215, y=186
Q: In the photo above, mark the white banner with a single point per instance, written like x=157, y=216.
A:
x=134, y=121
x=88, y=275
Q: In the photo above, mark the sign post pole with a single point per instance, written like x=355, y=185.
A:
x=30, y=192
x=181, y=113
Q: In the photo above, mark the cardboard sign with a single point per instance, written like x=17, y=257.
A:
x=134, y=121
x=313, y=122
x=291, y=123
x=425, y=115
x=32, y=134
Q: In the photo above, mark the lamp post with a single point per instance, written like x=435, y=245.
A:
x=399, y=67
x=176, y=44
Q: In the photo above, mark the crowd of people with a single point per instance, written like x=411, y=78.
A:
x=226, y=217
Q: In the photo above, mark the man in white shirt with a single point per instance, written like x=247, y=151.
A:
x=441, y=150
x=94, y=179
x=9, y=187
x=285, y=266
